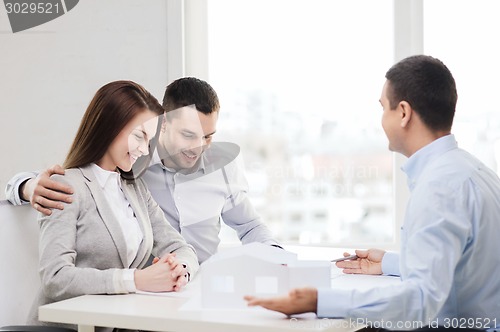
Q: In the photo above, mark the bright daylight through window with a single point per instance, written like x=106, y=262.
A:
x=299, y=84
x=468, y=46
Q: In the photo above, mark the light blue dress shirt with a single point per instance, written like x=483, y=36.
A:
x=450, y=249
x=195, y=203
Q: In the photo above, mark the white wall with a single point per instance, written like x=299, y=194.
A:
x=48, y=74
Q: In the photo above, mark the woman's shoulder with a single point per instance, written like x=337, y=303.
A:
x=73, y=177
x=70, y=175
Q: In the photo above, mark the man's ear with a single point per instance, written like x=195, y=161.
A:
x=163, y=125
x=406, y=112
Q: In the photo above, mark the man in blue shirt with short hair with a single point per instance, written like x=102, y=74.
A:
x=449, y=260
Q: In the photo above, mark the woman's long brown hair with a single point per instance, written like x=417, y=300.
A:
x=113, y=106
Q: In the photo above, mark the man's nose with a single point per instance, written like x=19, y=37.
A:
x=144, y=148
x=197, y=143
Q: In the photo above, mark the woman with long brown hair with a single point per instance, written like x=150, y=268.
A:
x=99, y=243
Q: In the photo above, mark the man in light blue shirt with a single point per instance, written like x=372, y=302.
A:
x=449, y=260
x=197, y=183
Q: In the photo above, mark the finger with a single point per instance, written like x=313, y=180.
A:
x=268, y=304
x=54, y=186
x=348, y=264
x=172, y=260
x=181, y=282
x=47, y=203
x=361, y=253
x=352, y=271
x=42, y=210
x=179, y=271
x=56, y=169
x=53, y=195
x=252, y=301
x=165, y=258
x=156, y=260
x=173, y=263
x=170, y=255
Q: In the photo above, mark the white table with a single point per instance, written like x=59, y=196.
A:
x=158, y=313
x=155, y=313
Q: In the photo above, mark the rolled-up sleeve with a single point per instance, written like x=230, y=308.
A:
x=12, y=188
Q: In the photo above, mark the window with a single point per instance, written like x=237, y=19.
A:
x=299, y=83
x=467, y=44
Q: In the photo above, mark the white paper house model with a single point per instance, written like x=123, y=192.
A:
x=256, y=269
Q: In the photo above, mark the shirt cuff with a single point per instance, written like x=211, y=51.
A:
x=333, y=303
x=12, y=190
x=128, y=280
x=390, y=264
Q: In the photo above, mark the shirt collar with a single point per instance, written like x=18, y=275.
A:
x=415, y=165
x=103, y=176
x=155, y=160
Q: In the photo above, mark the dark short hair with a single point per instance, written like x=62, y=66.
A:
x=428, y=86
x=114, y=105
x=188, y=91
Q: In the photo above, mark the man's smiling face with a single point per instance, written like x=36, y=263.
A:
x=184, y=136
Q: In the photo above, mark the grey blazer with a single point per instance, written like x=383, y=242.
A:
x=82, y=248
